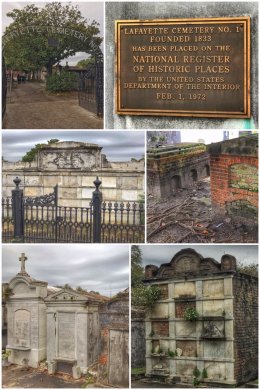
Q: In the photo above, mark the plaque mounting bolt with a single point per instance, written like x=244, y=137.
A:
x=241, y=25
x=122, y=106
x=242, y=109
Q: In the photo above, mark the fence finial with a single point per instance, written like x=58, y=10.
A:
x=97, y=183
x=17, y=181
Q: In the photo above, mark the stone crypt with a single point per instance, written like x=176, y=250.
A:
x=205, y=324
x=74, y=166
x=58, y=324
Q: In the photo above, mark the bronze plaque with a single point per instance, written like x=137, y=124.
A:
x=183, y=67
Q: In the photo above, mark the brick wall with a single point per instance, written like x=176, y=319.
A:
x=180, y=308
x=160, y=328
x=245, y=291
x=169, y=168
x=234, y=177
x=164, y=293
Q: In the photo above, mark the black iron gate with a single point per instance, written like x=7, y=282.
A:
x=91, y=86
x=41, y=219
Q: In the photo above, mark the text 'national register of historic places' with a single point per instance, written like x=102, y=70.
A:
x=183, y=67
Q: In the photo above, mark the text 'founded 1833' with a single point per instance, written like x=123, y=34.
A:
x=191, y=67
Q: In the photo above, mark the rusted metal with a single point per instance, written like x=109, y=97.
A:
x=183, y=67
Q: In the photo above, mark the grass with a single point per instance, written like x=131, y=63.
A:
x=138, y=371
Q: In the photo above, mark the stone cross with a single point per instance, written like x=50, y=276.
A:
x=22, y=259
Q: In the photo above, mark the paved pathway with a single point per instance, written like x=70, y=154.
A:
x=30, y=107
x=15, y=376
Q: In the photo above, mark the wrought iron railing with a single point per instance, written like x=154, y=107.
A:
x=91, y=86
x=41, y=219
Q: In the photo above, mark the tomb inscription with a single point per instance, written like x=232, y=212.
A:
x=22, y=328
x=184, y=67
x=66, y=335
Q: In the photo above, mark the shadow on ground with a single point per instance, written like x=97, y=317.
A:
x=30, y=107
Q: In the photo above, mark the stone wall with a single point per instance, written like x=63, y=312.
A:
x=234, y=177
x=74, y=166
x=137, y=338
x=173, y=167
x=167, y=10
x=245, y=290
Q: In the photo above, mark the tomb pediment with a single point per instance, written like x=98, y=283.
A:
x=25, y=285
x=187, y=262
x=70, y=155
x=66, y=295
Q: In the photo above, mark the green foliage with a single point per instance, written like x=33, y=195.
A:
x=154, y=138
x=196, y=372
x=249, y=269
x=6, y=353
x=29, y=156
x=151, y=334
x=138, y=371
x=191, y=314
x=171, y=353
x=145, y=296
x=137, y=271
x=63, y=82
x=84, y=63
x=30, y=49
x=204, y=374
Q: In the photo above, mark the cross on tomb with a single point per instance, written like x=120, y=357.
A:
x=23, y=259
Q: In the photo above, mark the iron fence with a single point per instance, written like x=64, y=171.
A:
x=41, y=219
x=91, y=86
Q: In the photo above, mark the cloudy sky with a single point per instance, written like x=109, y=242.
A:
x=117, y=145
x=93, y=267
x=90, y=10
x=160, y=254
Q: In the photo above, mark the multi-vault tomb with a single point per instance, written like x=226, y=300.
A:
x=66, y=327
x=220, y=340
x=74, y=166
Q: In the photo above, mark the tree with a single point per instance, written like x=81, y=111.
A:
x=249, y=269
x=145, y=296
x=84, y=63
x=29, y=156
x=137, y=271
x=41, y=37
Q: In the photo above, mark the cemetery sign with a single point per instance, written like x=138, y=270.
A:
x=183, y=67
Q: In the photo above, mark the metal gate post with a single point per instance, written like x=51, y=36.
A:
x=99, y=82
x=18, y=211
x=97, y=201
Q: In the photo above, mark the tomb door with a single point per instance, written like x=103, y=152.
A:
x=118, y=358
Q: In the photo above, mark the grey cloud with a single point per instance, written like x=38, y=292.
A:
x=118, y=146
x=94, y=267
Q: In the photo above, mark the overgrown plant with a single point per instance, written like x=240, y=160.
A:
x=196, y=374
x=145, y=296
x=63, y=82
x=191, y=314
x=204, y=374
